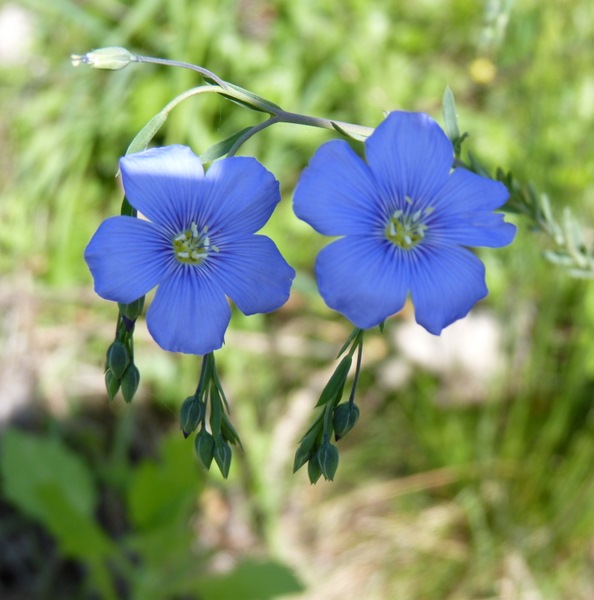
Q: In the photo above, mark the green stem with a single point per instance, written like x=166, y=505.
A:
x=357, y=369
x=277, y=114
x=184, y=65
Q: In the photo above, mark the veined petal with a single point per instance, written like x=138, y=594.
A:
x=239, y=196
x=253, y=274
x=164, y=184
x=446, y=282
x=410, y=156
x=189, y=312
x=127, y=258
x=473, y=229
x=466, y=192
x=365, y=279
x=337, y=193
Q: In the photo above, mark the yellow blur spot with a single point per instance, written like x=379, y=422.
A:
x=482, y=70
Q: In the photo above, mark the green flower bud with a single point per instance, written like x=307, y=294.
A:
x=222, y=455
x=190, y=414
x=328, y=460
x=204, y=446
x=133, y=310
x=118, y=359
x=129, y=382
x=112, y=384
x=113, y=58
x=314, y=471
x=344, y=418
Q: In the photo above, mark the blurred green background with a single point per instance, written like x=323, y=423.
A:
x=469, y=475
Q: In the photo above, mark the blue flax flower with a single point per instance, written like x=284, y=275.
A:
x=405, y=218
x=198, y=246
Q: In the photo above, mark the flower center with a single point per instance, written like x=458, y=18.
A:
x=407, y=229
x=192, y=246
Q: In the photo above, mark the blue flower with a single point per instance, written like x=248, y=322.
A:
x=406, y=219
x=198, y=245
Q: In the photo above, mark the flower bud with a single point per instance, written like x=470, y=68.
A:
x=222, y=455
x=112, y=384
x=190, y=414
x=328, y=460
x=118, y=359
x=204, y=446
x=129, y=382
x=314, y=472
x=113, y=58
x=133, y=310
x=344, y=418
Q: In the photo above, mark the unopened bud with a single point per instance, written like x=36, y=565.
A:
x=314, y=472
x=328, y=459
x=113, y=58
x=118, y=359
x=204, y=446
x=129, y=382
x=133, y=310
x=344, y=419
x=222, y=455
x=112, y=384
x=190, y=414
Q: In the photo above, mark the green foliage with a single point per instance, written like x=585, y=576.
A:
x=251, y=580
x=57, y=490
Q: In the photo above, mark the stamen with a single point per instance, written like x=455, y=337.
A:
x=405, y=229
x=193, y=246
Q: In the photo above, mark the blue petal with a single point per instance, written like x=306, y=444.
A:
x=337, y=194
x=365, y=279
x=465, y=192
x=462, y=212
x=127, y=258
x=446, y=282
x=473, y=229
x=189, y=313
x=410, y=156
x=239, y=196
x=164, y=184
x=253, y=274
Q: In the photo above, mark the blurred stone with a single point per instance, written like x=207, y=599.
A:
x=468, y=355
x=16, y=34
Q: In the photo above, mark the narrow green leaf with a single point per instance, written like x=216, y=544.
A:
x=221, y=148
x=348, y=342
x=253, y=101
x=449, y=115
x=336, y=383
x=147, y=133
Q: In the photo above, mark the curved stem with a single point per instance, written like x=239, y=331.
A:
x=184, y=65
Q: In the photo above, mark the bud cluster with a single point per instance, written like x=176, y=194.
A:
x=213, y=440
x=337, y=418
x=121, y=374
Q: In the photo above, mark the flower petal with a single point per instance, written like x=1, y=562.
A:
x=164, y=184
x=466, y=192
x=473, y=229
x=253, y=274
x=462, y=212
x=410, y=156
x=337, y=194
x=189, y=313
x=446, y=282
x=365, y=279
x=127, y=258
x=239, y=196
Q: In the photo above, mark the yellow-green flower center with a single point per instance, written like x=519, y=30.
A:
x=193, y=246
x=406, y=229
